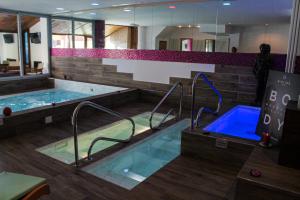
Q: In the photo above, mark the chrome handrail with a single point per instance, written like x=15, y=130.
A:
x=203, y=109
x=101, y=108
x=171, y=110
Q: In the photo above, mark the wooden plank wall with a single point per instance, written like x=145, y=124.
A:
x=24, y=85
x=236, y=83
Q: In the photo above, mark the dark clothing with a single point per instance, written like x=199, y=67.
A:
x=261, y=71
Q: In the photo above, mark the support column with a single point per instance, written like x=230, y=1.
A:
x=21, y=59
x=294, y=40
x=100, y=34
x=142, y=37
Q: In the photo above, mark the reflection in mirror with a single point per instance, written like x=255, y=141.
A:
x=35, y=45
x=251, y=23
x=120, y=37
x=83, y=35
x=9, y=47
x=62, y=33
x=235, y=26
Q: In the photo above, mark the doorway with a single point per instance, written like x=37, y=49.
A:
x=162, y=45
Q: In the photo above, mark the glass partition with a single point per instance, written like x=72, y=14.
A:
x=9, y=46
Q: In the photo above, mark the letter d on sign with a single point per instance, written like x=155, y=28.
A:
x=267, y=119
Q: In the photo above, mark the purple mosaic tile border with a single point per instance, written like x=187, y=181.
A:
x=239, y=59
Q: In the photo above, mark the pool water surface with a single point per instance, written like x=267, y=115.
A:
x=240, y=121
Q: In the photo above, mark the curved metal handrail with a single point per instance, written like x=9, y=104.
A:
x=171, y=110
x=101, y=108
x=203, y=109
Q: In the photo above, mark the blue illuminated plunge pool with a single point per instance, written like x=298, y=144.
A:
x=240, y=121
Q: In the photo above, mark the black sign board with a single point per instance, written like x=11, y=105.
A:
x=281, y=88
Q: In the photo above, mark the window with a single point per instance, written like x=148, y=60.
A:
x=83, y=35
x=62, y=33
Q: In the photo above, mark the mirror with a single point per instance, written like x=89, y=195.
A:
x=212, y=26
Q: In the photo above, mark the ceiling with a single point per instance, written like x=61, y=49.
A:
x=157, y=12
x=240, y=12
x=8, y=23
x=49, y=6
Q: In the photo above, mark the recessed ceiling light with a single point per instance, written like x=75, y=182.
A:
x=266, y=24
x=78, y=13
x=198, y=26
x=226, y=3
x=189, y=26
x=172, y=7
x=179, y=26
x=229, y=23
x=92, y=13
x=95, y=4
x=60, y=9
x=123, y=4
x=127, y=10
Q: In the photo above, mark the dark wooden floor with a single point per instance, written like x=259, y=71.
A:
x=184, y=178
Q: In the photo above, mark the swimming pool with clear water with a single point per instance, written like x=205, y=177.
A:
x=133, y=165
x=63, y=150
x=240, y=121
x=35, y=99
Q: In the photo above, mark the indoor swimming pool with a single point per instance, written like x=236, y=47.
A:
x=133, y=165
x=240, y=122
x=63, y=91
x=63, y=150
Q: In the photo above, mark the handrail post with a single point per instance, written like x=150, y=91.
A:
x=101, y=108
x=171, y=110
x=201, y=110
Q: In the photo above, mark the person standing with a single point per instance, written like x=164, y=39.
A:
x=261, y=71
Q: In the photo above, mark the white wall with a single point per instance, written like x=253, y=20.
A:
x=39, y=52
x=157, y=71
x=234, y=40
x=9, y=50
x=151, y=32
x=142, y=40
x=275, y=35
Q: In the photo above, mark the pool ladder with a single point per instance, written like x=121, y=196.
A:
x=195, y=121
x=100, y=108
x=172, y=110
